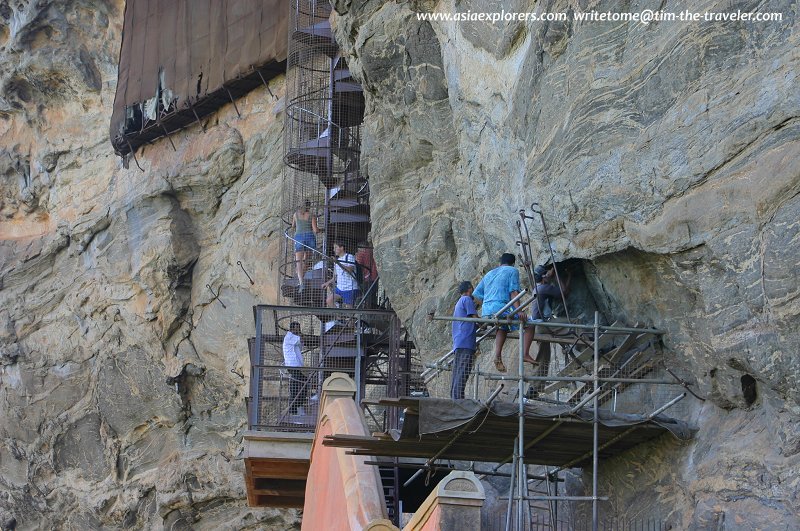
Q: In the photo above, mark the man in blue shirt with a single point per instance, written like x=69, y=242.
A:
x=495, y=289
x=464, y=344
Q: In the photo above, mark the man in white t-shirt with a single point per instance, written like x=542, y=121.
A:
x=293, y=357
x=344, y=276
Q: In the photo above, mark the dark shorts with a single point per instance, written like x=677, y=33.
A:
x=305, y=239
x=348, y=297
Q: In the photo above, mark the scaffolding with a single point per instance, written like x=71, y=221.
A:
x=329, y=283
x=600, y=363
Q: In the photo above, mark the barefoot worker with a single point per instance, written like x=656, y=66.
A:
x=495, y=289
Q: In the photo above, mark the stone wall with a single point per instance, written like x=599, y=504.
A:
x=122, y=379
x=664, y=157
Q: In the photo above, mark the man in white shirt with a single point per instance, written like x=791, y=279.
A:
x=293, y=357
x=344, y=276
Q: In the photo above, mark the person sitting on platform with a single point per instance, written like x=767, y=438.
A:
x=293, y=358
x=548, y=292
x=495, y=289
x=344, y=277
x=305, y=228
x=464, y=344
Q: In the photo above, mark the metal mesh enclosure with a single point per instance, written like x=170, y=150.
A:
x=370, y=346
x=325, y=194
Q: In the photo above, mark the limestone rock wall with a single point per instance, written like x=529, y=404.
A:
x=122, y=379
x=664, y=157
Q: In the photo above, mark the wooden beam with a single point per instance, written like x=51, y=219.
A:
x=293, y=493
x=280, y=501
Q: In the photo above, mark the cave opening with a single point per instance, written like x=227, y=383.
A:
x=749, y=389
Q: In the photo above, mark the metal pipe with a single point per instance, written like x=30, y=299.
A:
x=511, y=302
x=525, y=495
x=623, y=434
x=585, y=379
x=521, y=431
x=256, y=376
x=309, y=367
x=585, y=400
x=511, y=490
x=300, y=311
x=528, y=258
x=566, y=498
x=667, y=405
x=552, y=428
x=553, y=503
x=553, y=258
x=531, y=477
x=611, y=330
x=596, y=418
x=359, y=379
x=538, y=438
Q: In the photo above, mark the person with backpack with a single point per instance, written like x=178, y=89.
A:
x=345, y=278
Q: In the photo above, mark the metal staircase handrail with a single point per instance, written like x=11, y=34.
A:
x=445, y=361
x=322, y=256
x=293, y=107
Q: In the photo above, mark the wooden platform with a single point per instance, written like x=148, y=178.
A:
x=276, y=467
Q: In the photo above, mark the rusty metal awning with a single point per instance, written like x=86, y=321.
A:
x=181, y=60
x=468, y=431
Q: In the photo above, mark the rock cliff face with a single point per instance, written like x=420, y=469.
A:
x=122, y=377
x=665, y=159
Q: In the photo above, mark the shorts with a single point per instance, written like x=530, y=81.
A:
x=304, y=240
x=349, y=296
x=507, y=328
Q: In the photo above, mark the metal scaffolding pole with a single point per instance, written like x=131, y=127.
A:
x=596, y=419
x=511, y=484
x=359, y=361
x=255, y=378
x=521, y=474
x=518, y=487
